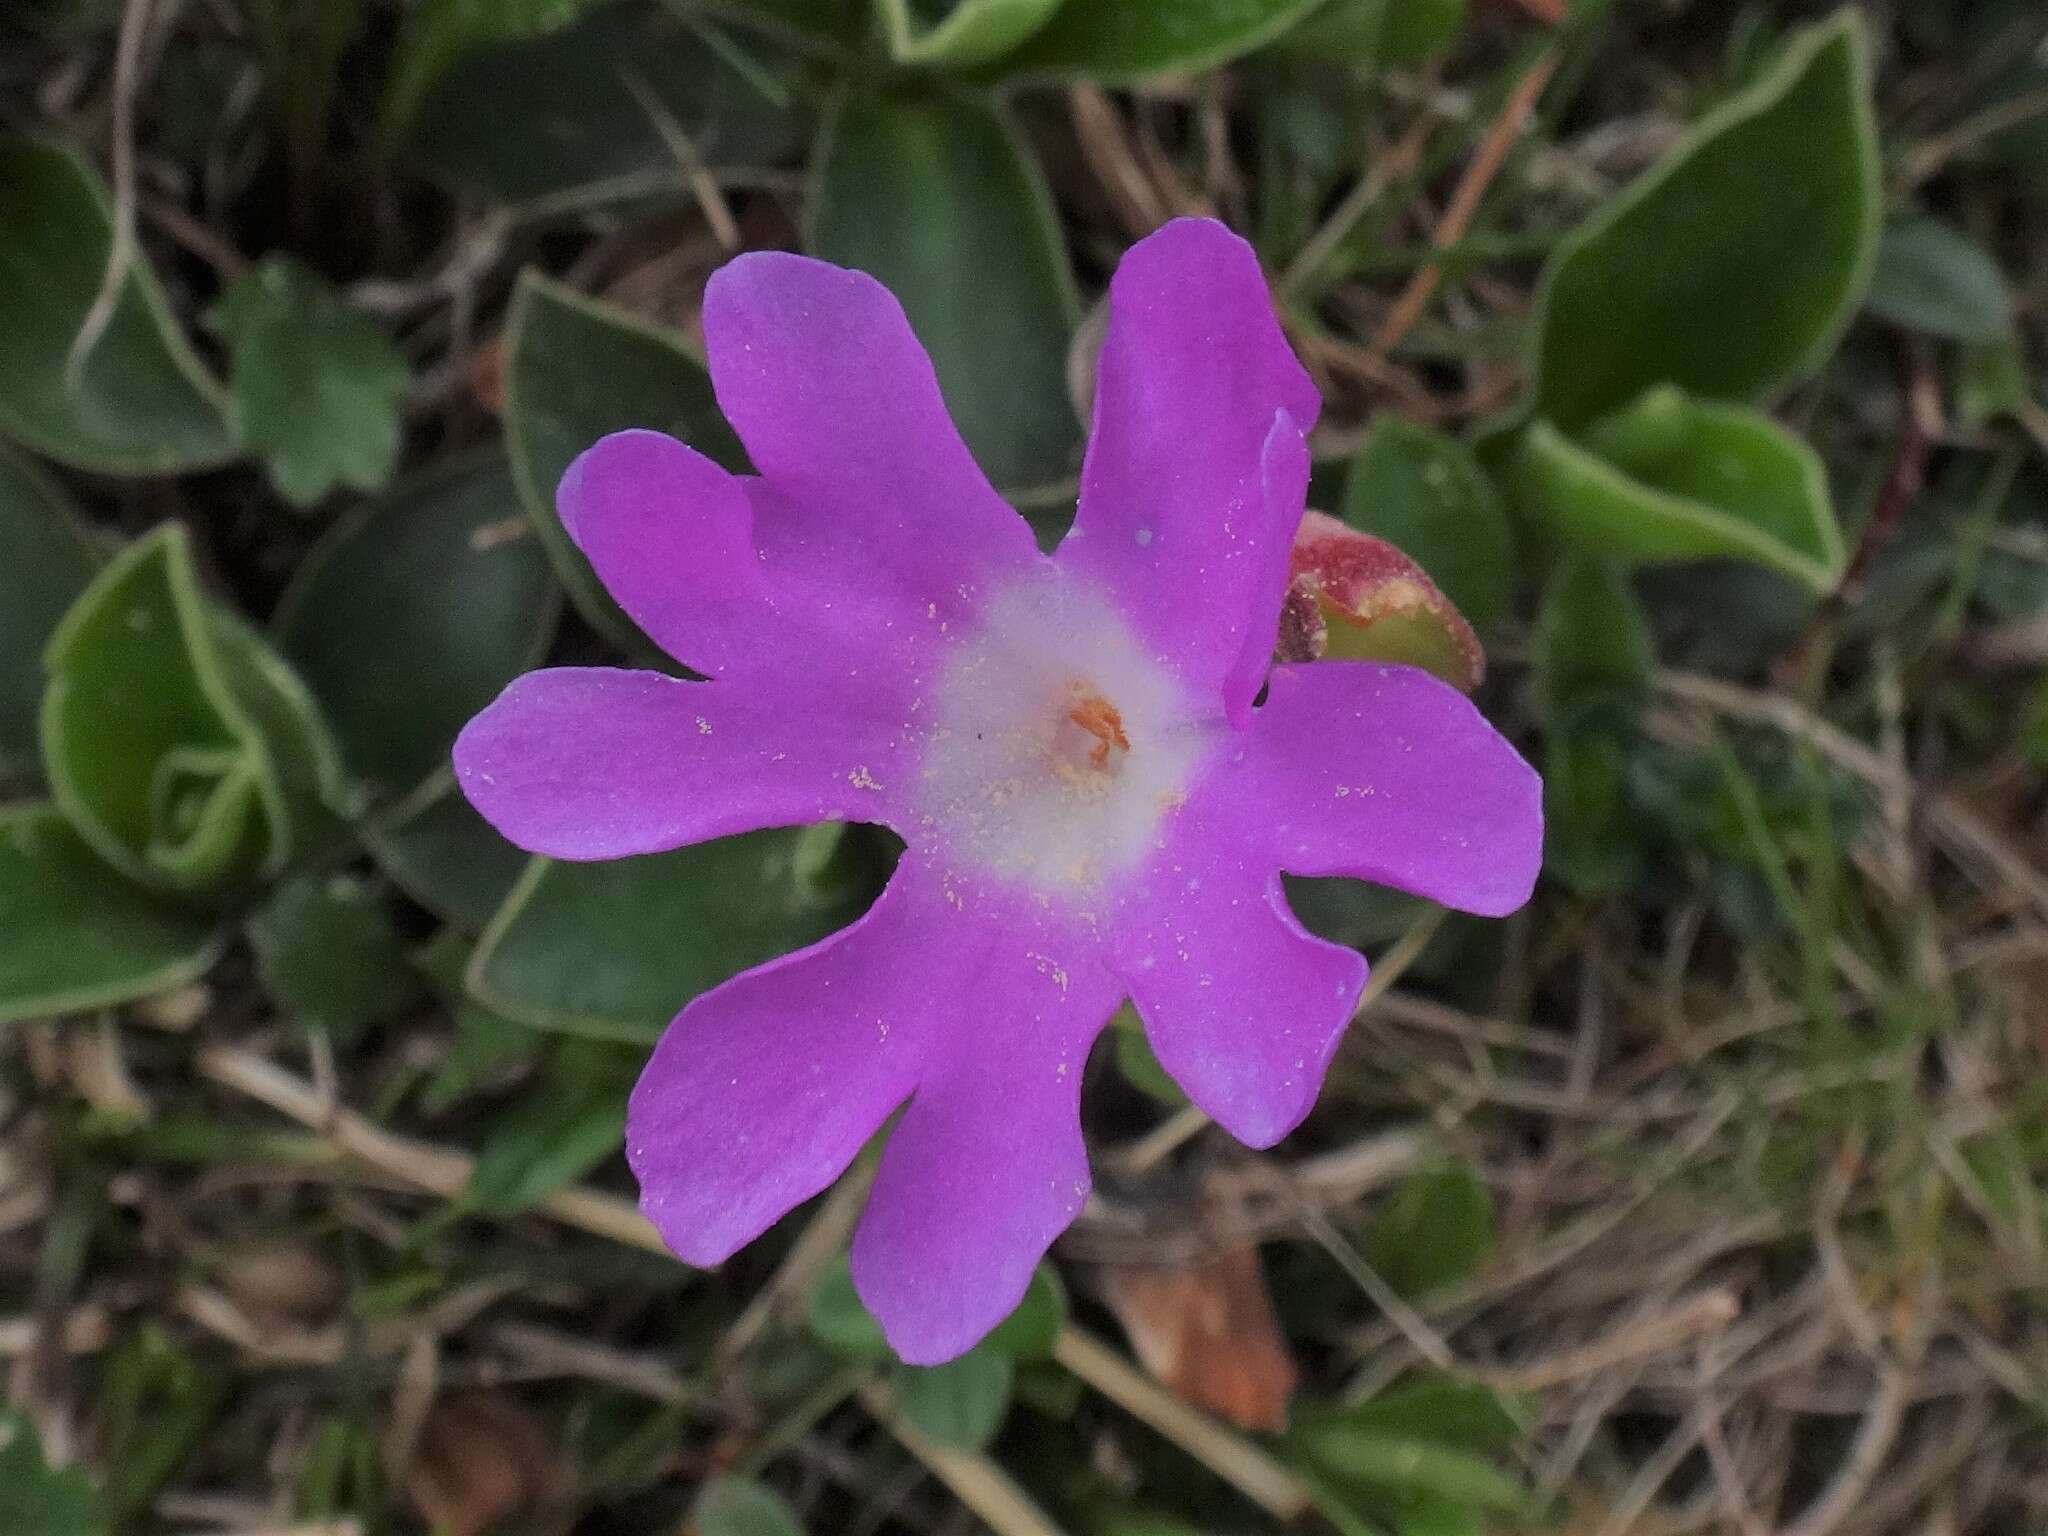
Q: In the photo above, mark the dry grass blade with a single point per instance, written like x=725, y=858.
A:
x=975, y=1480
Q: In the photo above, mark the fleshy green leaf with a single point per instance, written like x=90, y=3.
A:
x=838, y=1318
x=1435, y=1230
x=37, y=1499
x=1463, y=1414
x=575, y=370
x=147, y=744
x=933, y=194
x=1731, y=267
x=1932, y=277
x=597, y=106
x=49, y=562
x=961, y=1403
x=1029, y=1331
x=137, y=402
x=616, y=949
x=1122, y=40
x=327, y=951
x=436, y=849
x=436, y=34
x=76, y=934
x=410, y=615
x=735, y=1506
x=317, y=387
x=1671, y=478
x=1425, y=494
x=972, y=32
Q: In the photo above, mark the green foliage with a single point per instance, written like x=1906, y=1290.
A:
x=1420, y=1456
x=328, y=953
x=961, y=1403
x=1424, y=493
x=1732, y=266
x=49, y=562
x=615, y=949
x=1436, y=1230
x=935, y=195
x=972, y=32
x=555, y=1133
x=732, y=1506
x=134, y=401
x=317, y=387
x=1931, y=277
x=412, y=613
x=574, y=371
x=1121, y=40
x=37, y=1499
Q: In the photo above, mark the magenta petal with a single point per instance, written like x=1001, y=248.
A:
x=1188, y=505
x=987, y=1165
x=764, y=1088
x=1243, y=1007
x=1386, y=774
x=819, y=373
x=670, y=535
x=603, y=763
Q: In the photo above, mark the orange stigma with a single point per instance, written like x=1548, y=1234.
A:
x=1099, y=718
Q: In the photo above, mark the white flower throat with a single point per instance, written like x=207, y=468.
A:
x=1057, y=744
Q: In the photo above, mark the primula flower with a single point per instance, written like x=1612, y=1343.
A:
x=1096, y=799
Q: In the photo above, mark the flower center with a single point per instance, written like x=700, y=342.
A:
x=1056, y=744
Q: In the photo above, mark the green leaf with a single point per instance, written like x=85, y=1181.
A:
x=1425, y=494
x=840, y=1320
x=1029, y=1331
x=1932, y=277
x=75, y=934
x=971, y=32
x=576, y=370
x=1732, y=266
x=411, y=614
x=598, y=105
x=137, y=402
x=555, y=1134
x=1402, y=1468
x=961, y=1403
x=327, y=951
x=148, y=748
x=317, y=388
x=49, y=562
x=1591, y=658
x=934, y=194
x=1461, y=1414
x=1435, y=1230
x=1672, y=478
x=1137, y=1061
x=737, y=1506
x=436, y=34
x=436, y=849
x=1122, y=40
x=616, y=949
x=37, y=1499
x=1417, y=31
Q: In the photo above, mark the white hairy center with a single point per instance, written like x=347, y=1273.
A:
x=1058, y=745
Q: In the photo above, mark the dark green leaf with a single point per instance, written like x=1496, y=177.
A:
x=598, y=105
x=49, y=562
x=148, y=749
x=1672, y=478
x=437, y=34
x=409, y=616
x=1121, y=40
x=1403, y=1468
x=444, y=856
x=1137, y=1061
x=840, y=1320
x=616, y=949
x=1028, y=1332
x=1435, y=1230
x=961, y=1403
x=1932, y=277
x=1731, y=267
x=551, y=1137
x=37, y=1499
x=137, y=402
x=971, y=32
x=74, y=933
x=1424, y=493
x=317, y=387
x=933, y=194
x=328, y=953
x=576, y=370
x=156, y=1401
x=734, y=1506
x=1461, y=1414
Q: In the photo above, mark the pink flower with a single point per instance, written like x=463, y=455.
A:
x=1095, y=802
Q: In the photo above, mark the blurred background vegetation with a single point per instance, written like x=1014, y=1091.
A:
x=1695, y=349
